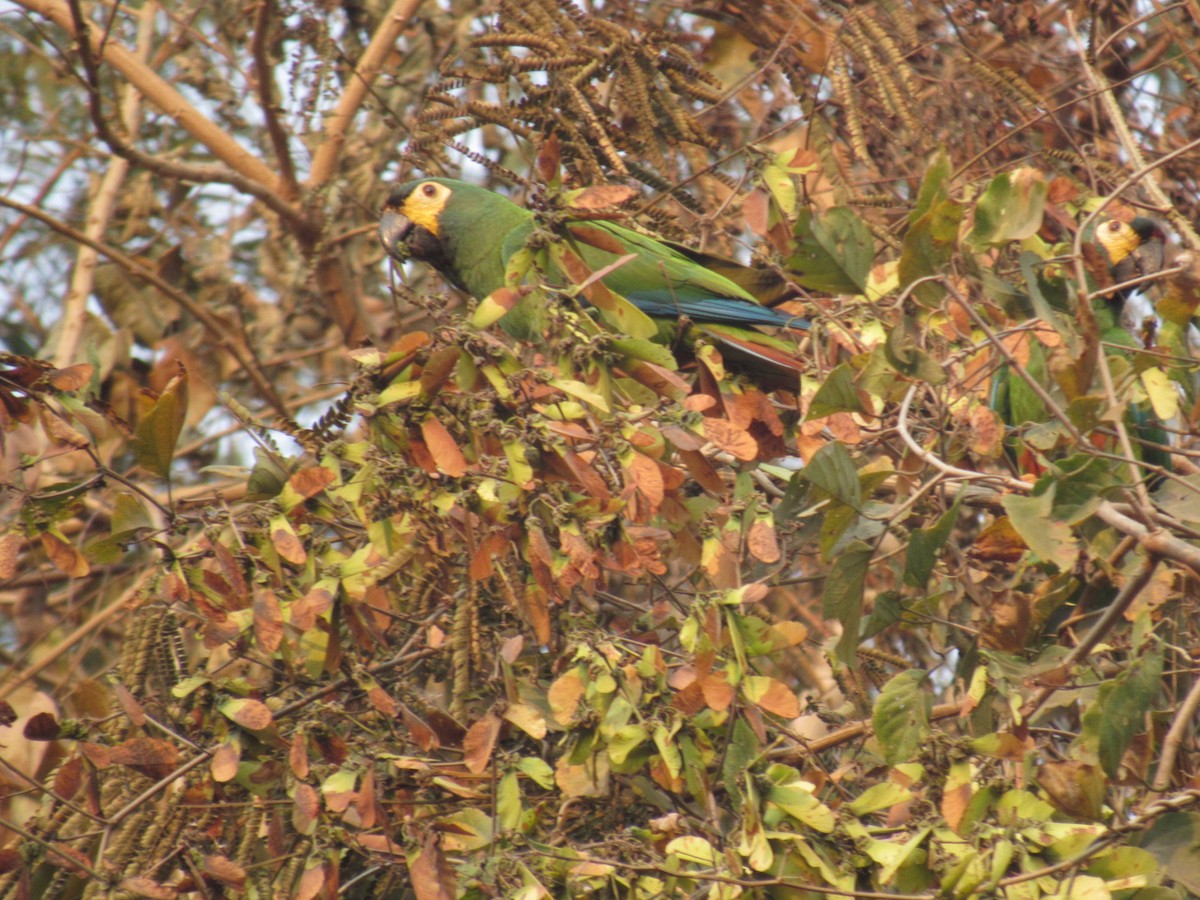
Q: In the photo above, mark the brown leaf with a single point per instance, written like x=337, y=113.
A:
x=479, y=743
x=289, y=546
x=432, y=874
x=761, y=541
x=224, y=870
x=153, y=757
x=311, y=882
x=423, y=736
x=311, y=481
x=298, y=755
x=72, y=378
x=10, y=553
x=68, y=778
x=64, y=556
x=249, y=713
x=442, y=447
x=593, y=237
x=1075, y=788
x=731, y=439
x=548, y=156
x=306, y=808
x=438, y=369
x=756, y=209
x=268, y=621
x=129, y=704
x=645, y=474
x=382, y=701
x=42, y=727
x=602, y=196
x=141, y=886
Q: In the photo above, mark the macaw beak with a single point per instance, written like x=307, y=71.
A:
x=394, y=228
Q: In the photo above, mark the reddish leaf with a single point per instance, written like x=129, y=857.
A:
x=268, y=621
x=42, y=727
x=298, y=755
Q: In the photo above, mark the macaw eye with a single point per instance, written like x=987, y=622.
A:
x=429, y=190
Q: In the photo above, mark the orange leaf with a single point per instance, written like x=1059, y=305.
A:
x=65, y=557
x=731, y=439
x=311, y=481
x=479, y=742
x=432, y=875
x=564, y=696
x=224, y=762
x=443, y=449
x=647, y=477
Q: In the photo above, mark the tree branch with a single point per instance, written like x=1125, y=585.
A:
x=219, y=330
x=161, y=94
x=361, y=79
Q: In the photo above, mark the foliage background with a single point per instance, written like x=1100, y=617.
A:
x=490, y=620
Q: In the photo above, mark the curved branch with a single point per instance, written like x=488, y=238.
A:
x=161, y=94
x=361, y=79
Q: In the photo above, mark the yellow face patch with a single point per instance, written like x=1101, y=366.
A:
x=1118, y=240
x=426, y=202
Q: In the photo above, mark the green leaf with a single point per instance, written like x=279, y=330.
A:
x=837, y=393
x=1049, y=538
x=508, y=801
x=923, y=547
x=1122, y=707
x=128, y=514
x=1010, y=209
x=832, y=470
x=843, y=596
x=833, y=254
x=901, y=716
x=538, y=770
x=904, y=352
x=158, y=431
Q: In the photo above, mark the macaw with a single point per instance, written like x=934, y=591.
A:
x=470, y=234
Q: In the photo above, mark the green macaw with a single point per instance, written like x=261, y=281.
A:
x=470, y=235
